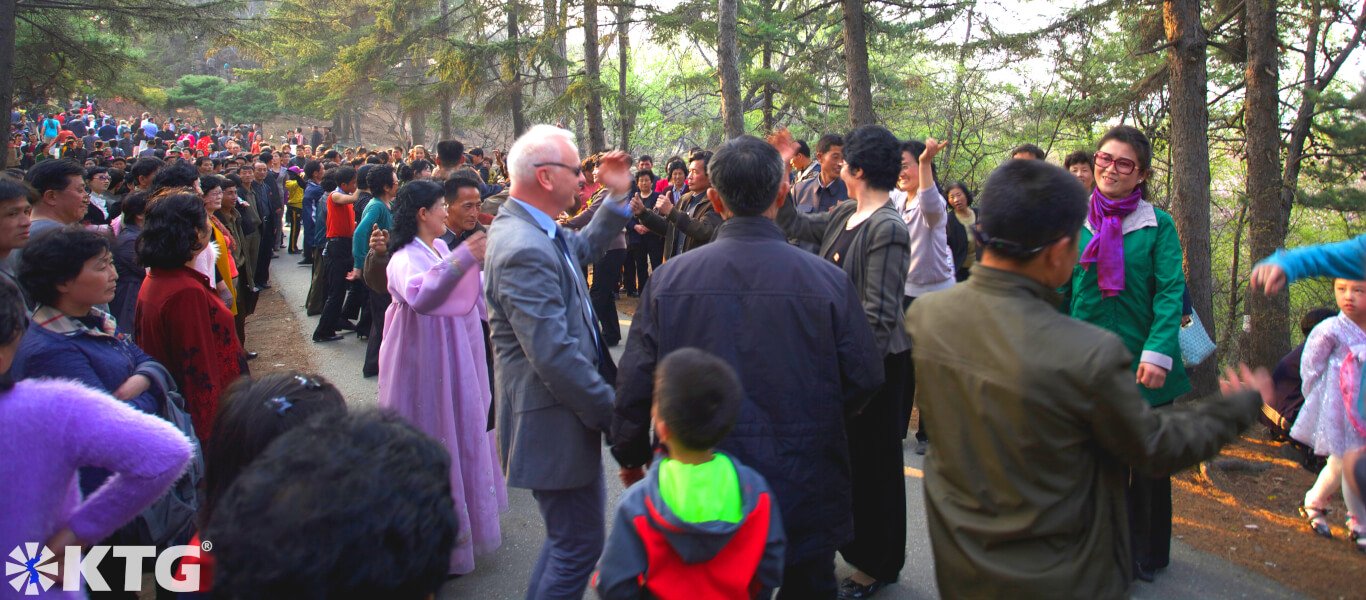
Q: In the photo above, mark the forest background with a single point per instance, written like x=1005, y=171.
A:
x=1255, y=106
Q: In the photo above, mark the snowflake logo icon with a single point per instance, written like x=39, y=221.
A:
x=31, y=569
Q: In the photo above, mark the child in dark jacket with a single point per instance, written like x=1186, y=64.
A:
x=700, y=525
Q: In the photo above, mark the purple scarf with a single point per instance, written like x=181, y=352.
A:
x=1106, y=249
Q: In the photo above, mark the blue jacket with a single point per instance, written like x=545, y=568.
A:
x=1342, y=259
x=794, y=329
x=100, y=361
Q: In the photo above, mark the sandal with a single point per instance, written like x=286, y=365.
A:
x=1317, y=519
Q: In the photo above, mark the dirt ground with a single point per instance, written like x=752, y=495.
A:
x=278, y=337
x=1248, y=515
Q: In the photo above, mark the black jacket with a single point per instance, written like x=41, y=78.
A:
x=792, y=326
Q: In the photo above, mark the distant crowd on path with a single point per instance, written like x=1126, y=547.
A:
x=792, y=309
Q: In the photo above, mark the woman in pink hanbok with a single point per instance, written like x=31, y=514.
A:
x=432, y=367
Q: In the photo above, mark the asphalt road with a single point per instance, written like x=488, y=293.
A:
x=503, y=575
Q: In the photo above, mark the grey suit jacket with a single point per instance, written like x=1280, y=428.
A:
x=877, y=262
x=553, y=406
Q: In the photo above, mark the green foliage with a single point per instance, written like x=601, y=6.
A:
x=198, y=91
x=246, y=102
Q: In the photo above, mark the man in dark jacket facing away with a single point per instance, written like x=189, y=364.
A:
x=1028, y=502
x=792, y=327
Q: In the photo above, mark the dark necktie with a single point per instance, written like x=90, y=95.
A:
x=606, y=367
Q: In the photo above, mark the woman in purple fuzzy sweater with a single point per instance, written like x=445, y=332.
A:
x=51, y=428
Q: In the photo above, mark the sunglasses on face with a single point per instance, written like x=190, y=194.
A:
x=1123, y=166
x=573, y=169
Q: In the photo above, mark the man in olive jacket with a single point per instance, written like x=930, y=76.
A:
x=1029, y=500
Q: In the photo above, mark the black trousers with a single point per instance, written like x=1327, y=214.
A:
x=1150, y=520
x=631, y=281
x=606, y=276
x=908, y=396
x=812, y=579
x=379, y=305
x=295, y=215
x=336, y=264
x=879, y=479
x=644, y=257
x=262, y=272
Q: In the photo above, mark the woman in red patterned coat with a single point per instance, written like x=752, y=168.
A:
x=179, y=320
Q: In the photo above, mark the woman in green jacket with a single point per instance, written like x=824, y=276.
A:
x=1130, y=281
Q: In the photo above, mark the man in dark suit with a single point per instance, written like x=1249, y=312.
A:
x=554, y=376
x=793, y=328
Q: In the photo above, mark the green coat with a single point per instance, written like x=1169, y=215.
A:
x=1147, y=314
x=1037, y=420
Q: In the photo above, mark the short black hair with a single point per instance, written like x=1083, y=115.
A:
x=177, y=173
x=203, y=159
x=11, y=188
x=1026, y=205
x=875, y=151
x=310, y=168
x=453, y=184
x=449, y=151
x=57, y=258
x=1077, y=158
x=703, y=155
x=747, y=173
x=1135, y=139
x=345, y=174
x=379, y=178
x=91, y=172
x=915, y=148
x=1316, y=316
x=698, y=396
x=362, y=172
x=828, y=141
x=133, y=205
x=1029, y=149
x=803, y=149
x=53, y=175
x=421, y=165
x=145, y=166
x=391, y=538
x=254, y=412
x=645, y=157
x=170, y=233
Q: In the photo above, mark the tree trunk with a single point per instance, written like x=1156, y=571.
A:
x=444, y=97
x=597, y=133
x=344, y=131
x=727, y=61
x=768, y=86
x=626, y=114
x=7, y=33
x=515, y=70
x=1190, y=173
x=417, y=123
x=856, y=64
x=1267, y=338
x=554, y=17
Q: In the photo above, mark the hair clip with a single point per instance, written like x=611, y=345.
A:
x=308, y=382
x=280, y=404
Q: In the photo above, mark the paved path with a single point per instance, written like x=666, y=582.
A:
x=503, y=575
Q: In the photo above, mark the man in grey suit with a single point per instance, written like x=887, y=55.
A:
x=554, y=377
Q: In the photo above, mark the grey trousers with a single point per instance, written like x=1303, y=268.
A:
x=575, y=532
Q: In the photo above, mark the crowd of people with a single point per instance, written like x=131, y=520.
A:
x=793, y=313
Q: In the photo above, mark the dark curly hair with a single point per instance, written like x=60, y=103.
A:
x=57, y=258
x=412, y=197
x=170, y=232
x=379, y=178
x=281, y=533
x=876, y=152
x=253, y=414
x=13, y=323
x=176, y=173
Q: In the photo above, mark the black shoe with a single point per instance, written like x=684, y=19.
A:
x=921, y=446
x=1143, y=574
x=305, y=262
x=346, y=326
x=252, y=355
x=369, y=374
x=632, y=294
x=327, y=338
x=850, y=590
x=265, y=286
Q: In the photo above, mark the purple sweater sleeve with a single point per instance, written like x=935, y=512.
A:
x=144, y=453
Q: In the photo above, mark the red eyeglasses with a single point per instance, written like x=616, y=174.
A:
x=1123, y=166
